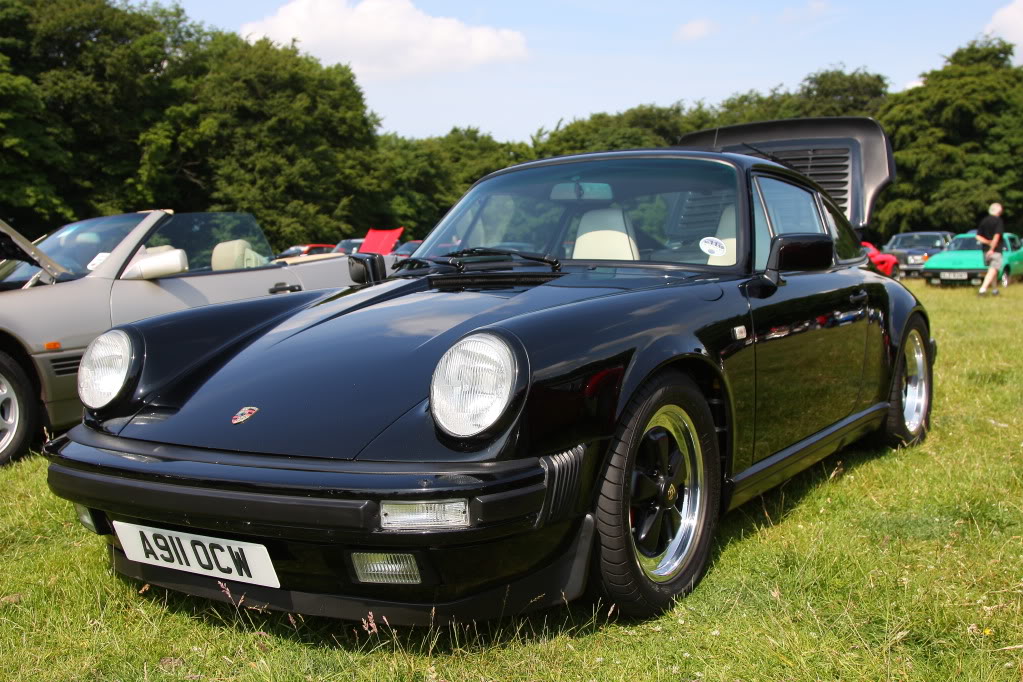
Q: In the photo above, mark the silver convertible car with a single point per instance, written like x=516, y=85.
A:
x=58, y=294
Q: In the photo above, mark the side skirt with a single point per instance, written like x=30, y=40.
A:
x=783, y=465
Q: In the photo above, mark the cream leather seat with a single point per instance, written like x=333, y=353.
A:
x=726, y=233
x=605, y=234
x=235, y=255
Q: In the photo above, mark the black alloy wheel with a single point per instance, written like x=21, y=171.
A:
x=659, y=500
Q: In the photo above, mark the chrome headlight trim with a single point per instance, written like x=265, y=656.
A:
x=473, y=384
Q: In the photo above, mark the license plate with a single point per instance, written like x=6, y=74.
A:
x=954, y=275
x=245, y=562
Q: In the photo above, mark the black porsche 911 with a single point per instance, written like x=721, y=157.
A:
x=599, y=356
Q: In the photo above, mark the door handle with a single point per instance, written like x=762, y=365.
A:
x=859, y=297
x=284, y=287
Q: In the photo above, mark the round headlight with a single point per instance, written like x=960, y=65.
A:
x=472, y=384
x=104, y=368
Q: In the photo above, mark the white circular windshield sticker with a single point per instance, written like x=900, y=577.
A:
x=712, y=246
x=97, y=261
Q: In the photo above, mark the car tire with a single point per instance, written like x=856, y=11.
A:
x=659, y=500
x=896, y=272
x=18, y=409
x=909, y=403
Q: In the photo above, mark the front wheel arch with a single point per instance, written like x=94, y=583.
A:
x=659, y=499
x=709, y=379
x=12, y=346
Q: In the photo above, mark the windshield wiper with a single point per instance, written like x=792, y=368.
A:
x=428, y=263
x=486, y=251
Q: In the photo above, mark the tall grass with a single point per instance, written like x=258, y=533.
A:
x=873, y=565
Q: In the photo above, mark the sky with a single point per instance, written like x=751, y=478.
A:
x=512, y=67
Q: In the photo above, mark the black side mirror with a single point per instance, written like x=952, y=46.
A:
x=366, y=268
x=801, y=252
x=798, y=251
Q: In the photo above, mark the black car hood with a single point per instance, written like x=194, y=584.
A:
x=347, y=366
x=13, y=246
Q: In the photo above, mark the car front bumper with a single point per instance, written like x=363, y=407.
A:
x=911, y=269
x=527, y=545
x=969, y=277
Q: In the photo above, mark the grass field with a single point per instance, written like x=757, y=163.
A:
x=872, y=565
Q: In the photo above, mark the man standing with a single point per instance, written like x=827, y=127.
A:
x=989, y=233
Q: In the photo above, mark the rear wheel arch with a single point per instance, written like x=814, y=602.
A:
x=898, y=332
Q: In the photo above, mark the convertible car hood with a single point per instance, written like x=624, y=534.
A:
x=13, y=246
x=331, y=377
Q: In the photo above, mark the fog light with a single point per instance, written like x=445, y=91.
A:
x=424, y=515
x=380, y=567
x=85, y=516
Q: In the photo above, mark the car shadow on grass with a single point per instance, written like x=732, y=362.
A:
x=578, y=619
x=374, y=633
x=774, y=506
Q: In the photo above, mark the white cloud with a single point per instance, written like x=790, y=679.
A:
x=814, y=9
x=1007, y=22
x=386, y=38
x=913, y=84
x=694, y=30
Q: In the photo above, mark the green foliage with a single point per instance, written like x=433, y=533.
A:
x=268, y=131
x=29, y=155
x=421, y=179
x=110, y=107
x=957, y=141
x=641, y=127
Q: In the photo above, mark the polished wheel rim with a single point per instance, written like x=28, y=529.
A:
x=9, y=414
x=914, y=386
x=666, y=506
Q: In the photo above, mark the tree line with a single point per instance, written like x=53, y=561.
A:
x=107, y=107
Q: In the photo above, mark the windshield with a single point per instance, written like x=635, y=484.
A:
x=964, y=243
x=348, y=246
x=664, y=210
x=290, y=251
x=921, y=240
x=408, y=248
x=79, y=247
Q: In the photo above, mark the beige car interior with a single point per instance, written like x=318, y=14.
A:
x=608, y=234
x=236, y=254
x=605, y=234
x=726, y=233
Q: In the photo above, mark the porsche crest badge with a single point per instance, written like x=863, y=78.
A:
x=243, y=414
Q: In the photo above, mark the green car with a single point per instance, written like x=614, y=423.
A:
x=963, y=262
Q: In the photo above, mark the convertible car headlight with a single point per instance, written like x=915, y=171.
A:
x=104, y=368
x=472, y=385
